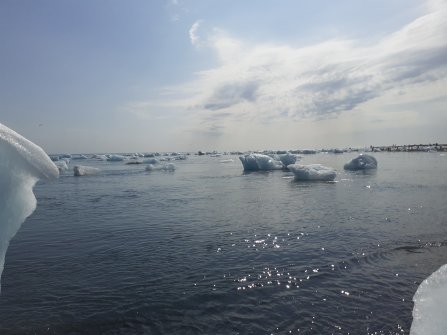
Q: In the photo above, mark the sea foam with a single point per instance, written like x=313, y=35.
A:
x=22, y=164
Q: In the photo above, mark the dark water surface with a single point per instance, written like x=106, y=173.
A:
x=208, y=249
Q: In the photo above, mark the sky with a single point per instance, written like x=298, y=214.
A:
x=186, y=75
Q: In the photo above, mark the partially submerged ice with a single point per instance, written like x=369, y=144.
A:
x=361, y=162
x=115, y=158
x=259, y=162
x=288, y=158
x=430, y=305
x=61, y=165
x=22, y=164
x=312, y=172
x=82, y=170
x=161, y=167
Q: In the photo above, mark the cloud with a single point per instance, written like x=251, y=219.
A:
x=193, y=33
x=266, y=82
x=231, y=94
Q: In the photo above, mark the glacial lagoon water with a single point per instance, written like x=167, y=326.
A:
x=209, y=249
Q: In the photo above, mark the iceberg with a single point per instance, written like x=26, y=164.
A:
x=100, y=157
x=115, y=158
x=259, y=162
x=82, y=170
x=152, y=161
x=361, y=162
x=79, y=157
x=61, y=165
x=165, y=167
x=430, y=305
x=288, y=158
x=312, y=172
x=22, y=164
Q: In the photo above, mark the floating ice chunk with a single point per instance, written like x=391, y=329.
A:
x=288, y=158
x=152, y=161
x=79, y=157
x=226, y=160
x=312, y=172
x=61, y=165
x=168, y=167
x=159, y=167
x=22, y=164
x=82, y=170
x=116, y=158
x=430, y=305
x=100, y=157
x=308, y=151
x=259, y=162
x=361, y=162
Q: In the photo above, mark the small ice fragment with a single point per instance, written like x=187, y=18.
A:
x=81, y=170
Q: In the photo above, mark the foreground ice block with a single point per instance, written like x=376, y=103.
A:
x=22, y=164
x=361, y=162
x=259, y=162
x=82, y=170
x=312, y=172
x=430, y=305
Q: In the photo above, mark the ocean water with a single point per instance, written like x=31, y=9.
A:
x=209, y=249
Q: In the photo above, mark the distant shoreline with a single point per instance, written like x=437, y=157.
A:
x=410, y=148
x=373, y=148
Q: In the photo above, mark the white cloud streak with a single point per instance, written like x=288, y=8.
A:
x=266, y=82
x=193, y=33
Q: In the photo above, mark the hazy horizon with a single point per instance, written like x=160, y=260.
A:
x=178, y=75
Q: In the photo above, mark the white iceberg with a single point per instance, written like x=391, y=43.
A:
x=61, y=165
x=116, y=158
x=152, y=161
x=22, y=164
x=288, y=158
x=312, y=172
x=82, y=170
x=361, y=162
x=79, y=157
x=159, y=167
x=430, y=305
x=308, y=151
x=99, y=157
x=259, y=162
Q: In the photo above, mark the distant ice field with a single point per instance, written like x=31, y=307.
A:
x=210, y=249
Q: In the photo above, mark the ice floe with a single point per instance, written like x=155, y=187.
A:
x=82, y=170
x=361, y=162
x=312, y=172
x=160, y=167
x=260, y=162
